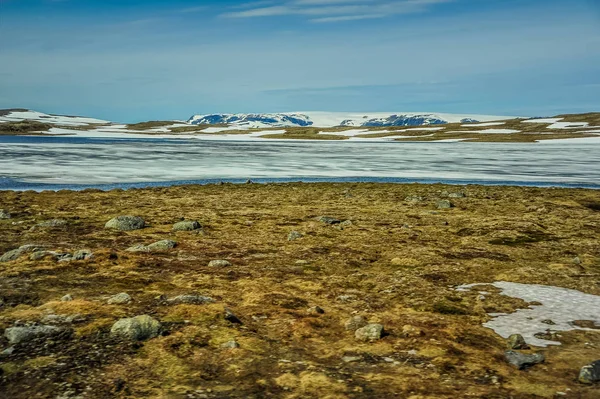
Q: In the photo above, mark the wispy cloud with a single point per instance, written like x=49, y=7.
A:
x=333, y=10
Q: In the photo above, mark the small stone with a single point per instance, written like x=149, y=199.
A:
x=316, y=310
x=294, y=235
x=344, y=225
x=328, y=220
x=231, y=317
x=16, y=335
x=370, y=333
x=219, y=263
x=351, y=359
x=590, y=374
x=576, y=260
x=187, y=225
x=230, y=345
x=516, y=341
x=523, y=361
x=302, y=262
x=414, y=199
x=444, y=204
x=138, y=328
x=190, y=300
x=119, y=299
x=83, y=254
x=346, y=298
x=4, y=214
x=355, y=322
x=67, y=298
x=126, y=223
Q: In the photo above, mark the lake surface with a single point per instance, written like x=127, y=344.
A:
x=76, y=162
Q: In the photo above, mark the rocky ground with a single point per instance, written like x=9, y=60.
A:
x=289, y=291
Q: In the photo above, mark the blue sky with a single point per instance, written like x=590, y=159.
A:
x=128, y=60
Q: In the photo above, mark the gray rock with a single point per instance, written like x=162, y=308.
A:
x=159, y=246
x=328, y=220
x=414, y=199
x=576, y=260
x=39, y=255
x=83, y=254
x=523, y=361
x=457, y=195
x=346, y=298
x=344, y=225
x=219, y=263
x=4, y=214
x=8, y=351
x=67, y=298
x=351, y=359
x=119, y=299
x=126, y=223
x=136, y=328
x=516, y=341
x=62, y=319
x=16, y=253
x=355, y=322
x=230, y=345
x=50, y=223
x=190, y=300
x=187, y=225
x=294, y=235
x=369, y=333
x=445, y=204
x=590, y=374
x=17, y=335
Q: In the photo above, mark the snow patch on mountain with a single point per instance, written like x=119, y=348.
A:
x=18, y=115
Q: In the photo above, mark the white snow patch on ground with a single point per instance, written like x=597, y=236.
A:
x=561, y=305
x=355, y=132
x=483, y=124
x=568, y=125
x=224, y=129
x=488, y=131
x=542, y=120
x=575, y=140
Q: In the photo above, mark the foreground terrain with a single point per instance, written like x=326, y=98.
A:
x=276, y=324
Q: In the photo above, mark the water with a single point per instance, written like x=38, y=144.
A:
x=78, y=162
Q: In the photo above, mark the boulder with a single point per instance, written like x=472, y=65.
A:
x=369, y=333
x=126, y=223
x=187, y=225
x=159, y=246
x=16, y=253
x=294, y=235
x=138, y=328
x=516, y=341
x=523, y=361
x=445, y=204
x=219, y=263
x=355, y=322
x=67, y=298
x=119, y=299
x=190, y=300
x=16, y=335
x=590, y=374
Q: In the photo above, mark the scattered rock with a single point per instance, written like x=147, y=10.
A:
x=7, y=352
x=126, y=223
x=316, y=310
x=576, y=260
x=136, y=328
x=457, y=195
x=346, y=298
x=62, y=319
x=523, y=361
x=414, y=199
x=445, y=204
x=294, y=235
x=190, y=300
x=302, y=262
x=16, y=253
x=4, y=214
x=50, y=224
x=516, y=341
x=351, y=359
x=187, y=225
x=590, y=374
x=219, y=263
x=67, y=298
x=119, y=299
x=370, y=333
x=230, y=345
x=16, y=335
x=355, y=322
x=344, y=225
x=159, y=246
x=409, y=331
x=39, y=255
x=83, y=254
x=328, y=220
x=231, y=317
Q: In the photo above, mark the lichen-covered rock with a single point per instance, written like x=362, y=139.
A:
x=16, y=335
x=187, y=225
x=445, y=204
x=138, y=328
x=159, y=246
x=50, y=224
x=230, y=345
x=369, y=333
x=190, y=300
x=590, y=374
x=67, y=298
x=16, y=253
x=457, y=195
x=83, y=254
x=4, y=214
x=219, y=263
x=328, y=220
x=414, y=199
x=523, y=361
x=126, y=223
x=119, y=299
x=294, y=235
x=355, y=322
x=516, y=341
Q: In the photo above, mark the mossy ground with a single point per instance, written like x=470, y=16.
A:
x=397, y=265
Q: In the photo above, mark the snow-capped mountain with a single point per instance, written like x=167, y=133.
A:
x=18, y=114
x=329, y=119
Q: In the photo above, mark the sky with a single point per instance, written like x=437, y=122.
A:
x=134, y=60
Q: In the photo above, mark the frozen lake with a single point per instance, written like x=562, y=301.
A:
x=78, y=162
